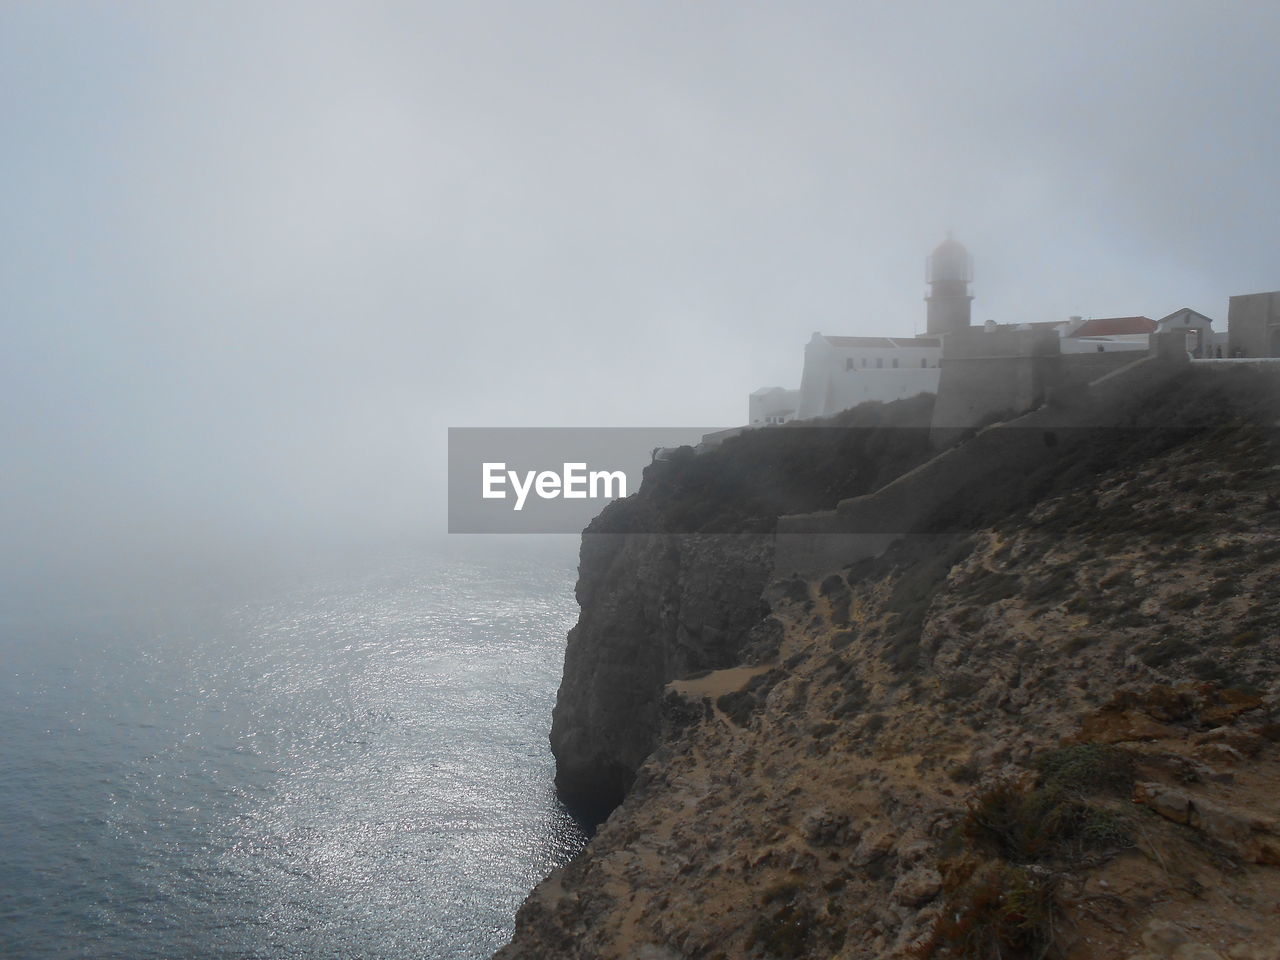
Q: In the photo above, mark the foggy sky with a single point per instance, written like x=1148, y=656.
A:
x=256, y=258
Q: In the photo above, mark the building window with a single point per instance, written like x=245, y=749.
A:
x=924, y=362
x=848, y=364
x=879, y=362
x=864, y=361
x=895, y=363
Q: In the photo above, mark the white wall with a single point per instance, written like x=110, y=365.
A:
x=772, y=405
x=838, y=377
x=1130, y=341
x=858, y=386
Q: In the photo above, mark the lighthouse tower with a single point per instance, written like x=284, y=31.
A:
x=948, y=272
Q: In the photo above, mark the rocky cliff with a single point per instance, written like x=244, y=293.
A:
x=1056, y=735
x=671, y=580
x=654, y=607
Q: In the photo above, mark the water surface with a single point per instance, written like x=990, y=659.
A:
x=341, y=765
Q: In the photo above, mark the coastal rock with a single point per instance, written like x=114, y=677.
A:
x=1162, y=937
x=822, y=828
x=917, y=887
x=655, y=607
x=1170, y=803
x=1248, y=834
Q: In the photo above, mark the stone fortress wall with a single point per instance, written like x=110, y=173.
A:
x=1039, y=413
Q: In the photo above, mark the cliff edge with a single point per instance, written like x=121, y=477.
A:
x=671, y=579
x=1055, y=734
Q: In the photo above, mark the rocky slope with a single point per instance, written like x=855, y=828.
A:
x=1055, y=736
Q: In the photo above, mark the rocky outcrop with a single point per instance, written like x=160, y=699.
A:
x=655, y=607
x=1058, y=735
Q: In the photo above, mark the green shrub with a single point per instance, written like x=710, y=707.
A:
x=1017, y=825
x=992, y=910
x=1086, y=769
x=1224, y=588
x=999, y=902
x=1211, y=670
x=1053, y=821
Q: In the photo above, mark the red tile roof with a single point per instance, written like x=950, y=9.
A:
x=1115, y=326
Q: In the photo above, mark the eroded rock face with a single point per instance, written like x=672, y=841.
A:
x=1247, y=833
x=655, y=607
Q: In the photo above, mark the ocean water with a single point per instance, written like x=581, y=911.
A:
x=343, y=764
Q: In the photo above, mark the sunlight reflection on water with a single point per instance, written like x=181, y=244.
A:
x=356, y=767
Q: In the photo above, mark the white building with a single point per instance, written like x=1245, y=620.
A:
x=1203, y=342
x=1118, y=334
x=1094, y=335
x=770, y=406
x=842, y=372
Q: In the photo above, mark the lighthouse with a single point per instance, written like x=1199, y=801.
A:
x=948, y=271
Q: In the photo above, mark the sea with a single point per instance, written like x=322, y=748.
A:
x=347, y=761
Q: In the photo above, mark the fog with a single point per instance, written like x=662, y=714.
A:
x=255, y=259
